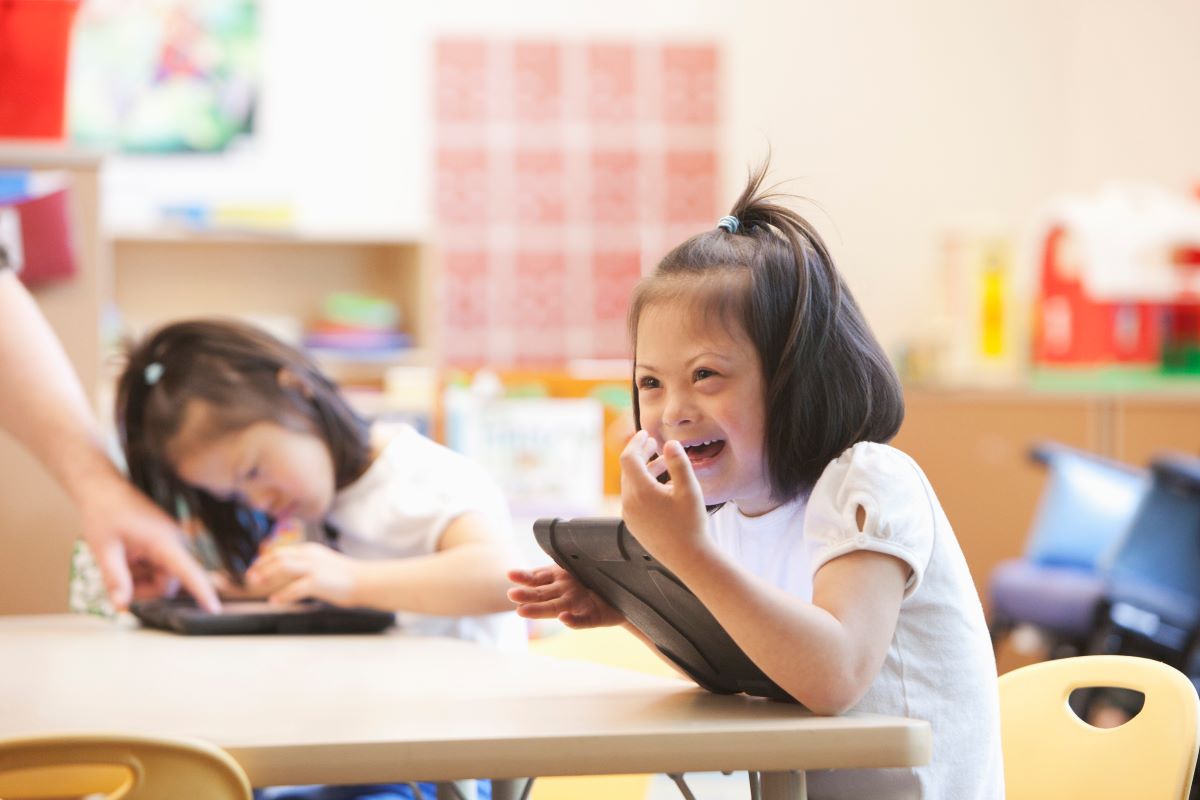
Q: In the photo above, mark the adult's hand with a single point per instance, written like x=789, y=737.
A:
x=138, y=548
x=43, y=405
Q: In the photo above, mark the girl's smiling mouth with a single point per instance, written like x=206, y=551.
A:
x=703, y=453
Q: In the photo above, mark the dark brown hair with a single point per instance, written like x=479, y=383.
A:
x=828, y=383
x=238, y=371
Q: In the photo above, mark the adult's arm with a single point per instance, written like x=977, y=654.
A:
x=43, y=406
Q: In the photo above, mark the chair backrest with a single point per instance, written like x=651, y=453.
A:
x=1051, y=753
x=1085, y=509
x=1153, y=585
x=118, y=767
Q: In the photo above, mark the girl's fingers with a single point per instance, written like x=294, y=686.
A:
x=638, y=450
x=657, y=467
x=283, y=564
x=294, y=592
x=635, y=473
x=679, y=466
x=537, y=594
x=534, y=577
x=540, y=610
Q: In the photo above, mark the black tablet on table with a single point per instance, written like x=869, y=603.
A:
x=605, y=557
x=182, y=615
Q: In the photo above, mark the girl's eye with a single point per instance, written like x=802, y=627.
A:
x=647, y=382
x=703, y=373
x=251, y=473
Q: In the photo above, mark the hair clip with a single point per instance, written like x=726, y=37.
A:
x=152, y=373
x=729, y=223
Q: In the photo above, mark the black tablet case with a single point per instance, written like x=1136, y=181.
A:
x=184, y=616
x=605, y=557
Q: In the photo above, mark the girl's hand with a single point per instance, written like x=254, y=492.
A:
x=309, y=570
x=668, y=519
x=227, y=589
x=548, y=592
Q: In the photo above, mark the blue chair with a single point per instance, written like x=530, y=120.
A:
x=1152, y=589
x=1057, y=586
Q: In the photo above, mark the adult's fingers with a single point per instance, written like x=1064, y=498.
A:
x=175, y=559
x=114, y=569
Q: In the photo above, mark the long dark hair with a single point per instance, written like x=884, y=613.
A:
x=236, y=370
x=828, y=382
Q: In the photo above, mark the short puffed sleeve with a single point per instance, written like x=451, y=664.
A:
x=896, y=502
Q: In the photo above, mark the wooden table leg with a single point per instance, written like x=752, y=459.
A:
x=784, y=786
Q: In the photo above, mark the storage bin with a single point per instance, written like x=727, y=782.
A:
x=35, y=44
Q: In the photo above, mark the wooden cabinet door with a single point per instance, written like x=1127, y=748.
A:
x=1145, y=426
x=974, y=446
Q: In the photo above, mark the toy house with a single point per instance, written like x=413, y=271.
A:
x=1119, y=282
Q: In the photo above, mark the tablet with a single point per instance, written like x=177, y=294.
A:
x=605, y=557
x=245, y=617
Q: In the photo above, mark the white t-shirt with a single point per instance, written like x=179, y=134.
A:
x=939, y=666
x=400, y=507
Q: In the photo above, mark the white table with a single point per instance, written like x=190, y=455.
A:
x=364, y=709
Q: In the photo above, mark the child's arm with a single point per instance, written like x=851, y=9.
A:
x=466, y=575
x=825, y=653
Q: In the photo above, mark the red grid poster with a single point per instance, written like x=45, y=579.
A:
x=564, y=171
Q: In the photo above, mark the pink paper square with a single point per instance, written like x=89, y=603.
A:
x=611, y=83
x=461, y=86
x=537, y=81
x=540, y=197
x=463, y=194
x=539, y=292
x=613, y=278
x=466, y=284
x=689, y=85
x=689, y=190
x=615, y=195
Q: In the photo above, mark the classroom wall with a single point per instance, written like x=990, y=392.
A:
x=902, y=122
x=906, y=121
x=347, y=111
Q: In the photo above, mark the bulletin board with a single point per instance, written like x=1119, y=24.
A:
x=563, y=171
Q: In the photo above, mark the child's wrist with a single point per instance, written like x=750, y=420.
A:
x=362, y=579
x=699, y=565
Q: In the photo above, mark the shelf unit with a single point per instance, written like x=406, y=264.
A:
x=153, y=276
x=38, y=523
x=160, y=276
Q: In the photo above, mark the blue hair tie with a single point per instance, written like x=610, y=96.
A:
x=729, y=223
x=152, y=373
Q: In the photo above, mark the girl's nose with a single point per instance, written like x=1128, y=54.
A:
x=678, y=410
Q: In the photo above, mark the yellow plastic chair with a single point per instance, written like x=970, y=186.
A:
x=118, y=767
x=1050, y=753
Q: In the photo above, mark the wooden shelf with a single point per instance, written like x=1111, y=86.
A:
x=167, y=275
x=265, y=236
x=33, y=154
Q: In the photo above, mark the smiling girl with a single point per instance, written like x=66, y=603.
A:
x=760, y=390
